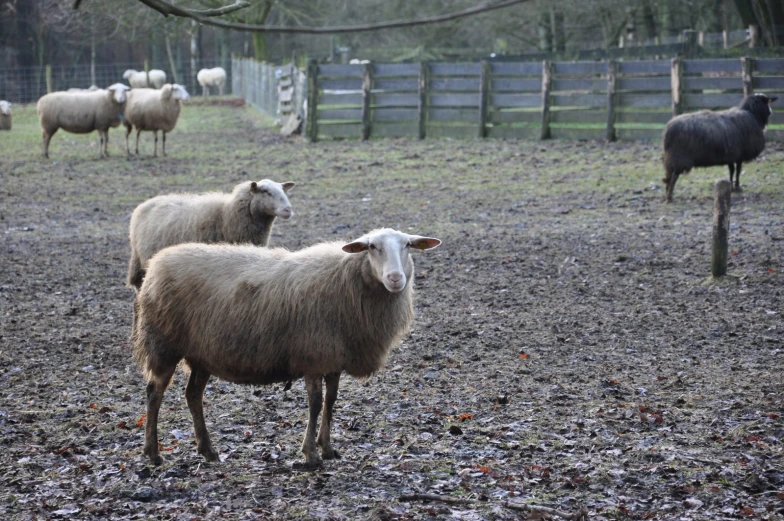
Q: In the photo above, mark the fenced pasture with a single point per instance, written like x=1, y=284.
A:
x=569, y=348
x=580, y=100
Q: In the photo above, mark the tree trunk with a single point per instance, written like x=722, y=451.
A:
x=194, y=55
x=169, y=54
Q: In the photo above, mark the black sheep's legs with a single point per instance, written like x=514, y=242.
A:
x=731, y=167
x=670, y=188
x=737, y=188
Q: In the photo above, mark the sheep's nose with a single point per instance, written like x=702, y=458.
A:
x=286, y=212
x=395, y=276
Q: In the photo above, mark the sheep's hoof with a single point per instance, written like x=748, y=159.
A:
x=737, y=188
x=209, y=454
x=154, y=455
x=330, y=453
x=308, y=465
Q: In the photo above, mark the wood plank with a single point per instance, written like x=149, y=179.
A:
x=395, y=100
x=339, y=115
x=466, y=116
x=341, y=99
x=454, y=84
x=284, y=83
x=644, y=67
x=579, y=100
x=514, y=132
x=711, y=101
x=394, y=114
x=580, y=67
x=340, y=83
x=516, y=68
x=350, y=130
x=622, y=116
x=516, y=84
x=455, y=69
x=286, y=95
x=579, y=84
x=577, y=133
x=352, y=71
x=774, y=134
x=691, y=83
x=381, y=70
x=387, y=84
x=662, y=84
x=639, y=134
x=515, y=100
x=645, y=100
x=769, y=65
x=452, y=131
x=516, y=116
x=395, y=129
x=713, y=65
x=768, y=82
x=454, y=100
x=578, y=116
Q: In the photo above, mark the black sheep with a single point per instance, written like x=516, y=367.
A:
x=729, y=137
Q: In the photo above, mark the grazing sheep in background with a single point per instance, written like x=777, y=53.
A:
x=215, y=77
x=729, y=137
x=258, y=316
x=81, y=113
x=6, y=119
x=151, y=109
x=140, y=79
x=244, y=216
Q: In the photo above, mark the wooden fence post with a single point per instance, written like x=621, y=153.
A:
x=753, y=36
x=424, y=72
x=484, y=84
x=612, y=70
x=722, y=191
x=367, y=85
x=546, y=83
x=312, y=131
x=676, y=77
x=747, y=68
x=49, y=86
x=147, y=73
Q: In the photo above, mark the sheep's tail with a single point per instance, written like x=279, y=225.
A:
x=135, y=272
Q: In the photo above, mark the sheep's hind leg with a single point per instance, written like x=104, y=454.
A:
x=138, y=131
x=164, y=143
x=194, y=393
x=155, y=390
x=155, y=152
x=736, y=187
x=670, y=188
x=314, y=387
x=327, y=452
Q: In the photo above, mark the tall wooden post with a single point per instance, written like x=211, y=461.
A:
x=612, y=70
x=484, y=87
x=722, y=191
x=424, y=72
x=147, y=74
x=753, y=36
x=312, y=130
x=49, y=86
x=547, y=70
x=747, y=68
x=676, y=84
x=367, y=84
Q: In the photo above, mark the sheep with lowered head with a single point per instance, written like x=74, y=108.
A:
x=81, y=113
x=139, y=79
x=6, y=119
x=258, y=316
x=215, y=77
x=153, y=109
x=705, y=138
x=246, y=215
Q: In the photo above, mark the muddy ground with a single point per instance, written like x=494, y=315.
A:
x=569, y=350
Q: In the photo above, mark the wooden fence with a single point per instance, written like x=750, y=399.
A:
x=537, y=100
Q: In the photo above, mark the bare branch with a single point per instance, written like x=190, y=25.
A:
x=166, y=9
x=220, y=11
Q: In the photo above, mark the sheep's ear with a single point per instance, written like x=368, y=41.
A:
x=356, y=246
x=288, y=185
x=254, y=187
x=423, y=243
x=772, y=99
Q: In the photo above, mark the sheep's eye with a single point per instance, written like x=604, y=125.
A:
x=264, y=191
x=372, y=246
x=408, y=245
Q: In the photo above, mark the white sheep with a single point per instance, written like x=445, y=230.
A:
x=81, y=113
x=6, y=119
x=88, y=89
x=151, y=109
x=215, y=77
x=246, y=215
x=257, y=316
x=139, y=79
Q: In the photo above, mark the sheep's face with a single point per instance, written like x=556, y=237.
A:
x=269, y=199
x=388, y=255
x=127, y=74
x=5, y=108
x=118, y=92
x=179, y=92
x=759, y=105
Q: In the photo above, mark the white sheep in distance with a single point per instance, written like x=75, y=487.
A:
x=81, y=113
x=246, y=215
x=152, y=109
x=139, y=79
x=215, y=77
x=6, y=120
x=258, y=316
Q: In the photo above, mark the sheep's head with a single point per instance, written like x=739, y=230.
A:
x=5, y=108
x=118, y=92
x=759, y=105
x=388, y=255
x=174, y=91
x=269, y=198
x=127, y=74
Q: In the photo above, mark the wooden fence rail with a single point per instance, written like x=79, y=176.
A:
x=536, y=100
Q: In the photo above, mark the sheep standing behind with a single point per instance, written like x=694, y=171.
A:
x=81, y=113
x=705, y=138
x=246, y=215
x=155, y=79
x=151, y=109
x=215, y=77
x=6, y=119
x=257, y=316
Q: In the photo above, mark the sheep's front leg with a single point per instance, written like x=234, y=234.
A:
x=327, y=452
x=194, y=393
x=155, y=390
x=313, y=385
x=737, y=187
x=164, y=143
x=155, y=150
x=138, y=131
